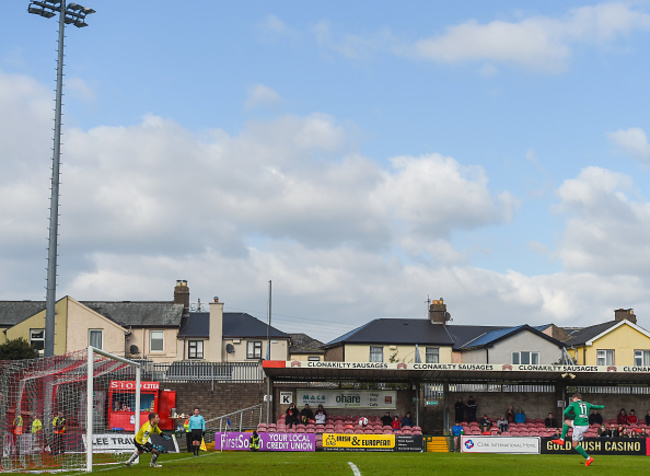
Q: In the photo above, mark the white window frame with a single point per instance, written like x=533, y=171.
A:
x=254, y=349
x=313, y=358
x=40, y=340
x=605, y=357
x=195, y=349
x=101, y=338
x=161, y=339
x=376, y=353
x=432, y=355
x=642, y=358
x=525, y=357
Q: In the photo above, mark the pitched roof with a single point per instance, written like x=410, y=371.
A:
x=235, y=324
x=303, y=344
x=124, y=313
x=492, y=337
x=423, y=332
x=581, y=336
x=14, y=312
x=396, y=331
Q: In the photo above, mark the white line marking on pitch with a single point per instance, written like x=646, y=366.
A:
x=355, y=470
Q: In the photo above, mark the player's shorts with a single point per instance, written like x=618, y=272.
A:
x=197, y=435
x=146, y=448
x=578, y=432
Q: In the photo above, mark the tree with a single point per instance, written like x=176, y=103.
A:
x=17, y=349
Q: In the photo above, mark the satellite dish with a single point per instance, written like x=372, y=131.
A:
x=230, y=348
x=134, y=349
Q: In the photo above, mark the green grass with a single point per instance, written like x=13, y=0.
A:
x=377, y=464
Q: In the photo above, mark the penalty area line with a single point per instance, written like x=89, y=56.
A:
x=354, y=468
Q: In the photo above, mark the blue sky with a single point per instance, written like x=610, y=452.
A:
x=362, y=155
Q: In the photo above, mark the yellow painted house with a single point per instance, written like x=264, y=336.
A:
x=617, y=342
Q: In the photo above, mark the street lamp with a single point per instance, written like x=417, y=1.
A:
x=73, y=14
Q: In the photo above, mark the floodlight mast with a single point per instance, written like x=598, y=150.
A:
x=74, y=14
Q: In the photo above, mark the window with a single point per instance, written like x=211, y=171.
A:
x=254, y=349
x=37, y=338
x=433, y=355
x=195, y=349
x=525, y=357
x=156, y=344
x=95, y=338
x=642, y=358
x=313, y=359
x=376, y=354
x=605, y=357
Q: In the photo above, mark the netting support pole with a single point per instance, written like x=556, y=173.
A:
x=89, y=409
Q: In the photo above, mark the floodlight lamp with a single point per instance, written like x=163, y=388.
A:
x=80, y=24
x=74, y=6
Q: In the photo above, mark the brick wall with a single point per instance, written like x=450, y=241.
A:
x=226, y=397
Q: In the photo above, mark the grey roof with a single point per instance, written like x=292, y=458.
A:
x=124, y=313
x=422, y=331
x=396, y=331
x=13, y=312
x=139, y=313
x=235, y=324
x=303, y=344
x=581, y=336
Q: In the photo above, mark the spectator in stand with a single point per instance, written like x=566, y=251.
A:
x=558, y=433
x=632, y=419
x=550, y=422
x=502, y=424
x=457, y=430
x=320, y=407
x=613, y=432
x=407, y=420
x=320, y=418
x=470, y=407
x=459, y=410
x=622, y=417
x=386, y=420
x=647, y=418
x=306, y=414
x=293, y=417
x=510, y=414
x=485, y=424
x=520, y=416
x=396, y=425
x=624, y=433
x=595, y=417
x=603, y=432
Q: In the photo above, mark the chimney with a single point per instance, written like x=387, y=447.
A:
x=215, y=343
x=182, y=296
x=620, y=314
x=438, y=312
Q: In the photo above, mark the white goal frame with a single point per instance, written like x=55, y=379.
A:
x=89, y=398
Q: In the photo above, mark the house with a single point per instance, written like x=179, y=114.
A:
x=304, y=347
x=159, y=331
x=617, y=342
x=433, y=340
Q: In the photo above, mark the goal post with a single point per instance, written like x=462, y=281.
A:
x=69, y=412
x=90, y=392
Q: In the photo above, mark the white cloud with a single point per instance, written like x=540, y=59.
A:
x=262, y=96
x=632, y=141
x=539, y=43
x=274, y=25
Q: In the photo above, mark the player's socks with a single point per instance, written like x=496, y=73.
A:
x=133, y=457
x=153, y=459
x=582, y=452
x=565, y=430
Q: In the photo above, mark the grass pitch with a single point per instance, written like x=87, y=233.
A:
x=378, y=464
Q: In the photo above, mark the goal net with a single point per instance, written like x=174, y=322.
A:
x=54, y=412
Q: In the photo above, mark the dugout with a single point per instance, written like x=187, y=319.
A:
x=429, y=390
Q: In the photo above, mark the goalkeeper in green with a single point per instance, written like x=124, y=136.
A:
x=579, y=410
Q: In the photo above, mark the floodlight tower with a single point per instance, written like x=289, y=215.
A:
x=72, y=14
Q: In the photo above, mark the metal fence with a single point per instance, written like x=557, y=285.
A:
x=214, y=372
